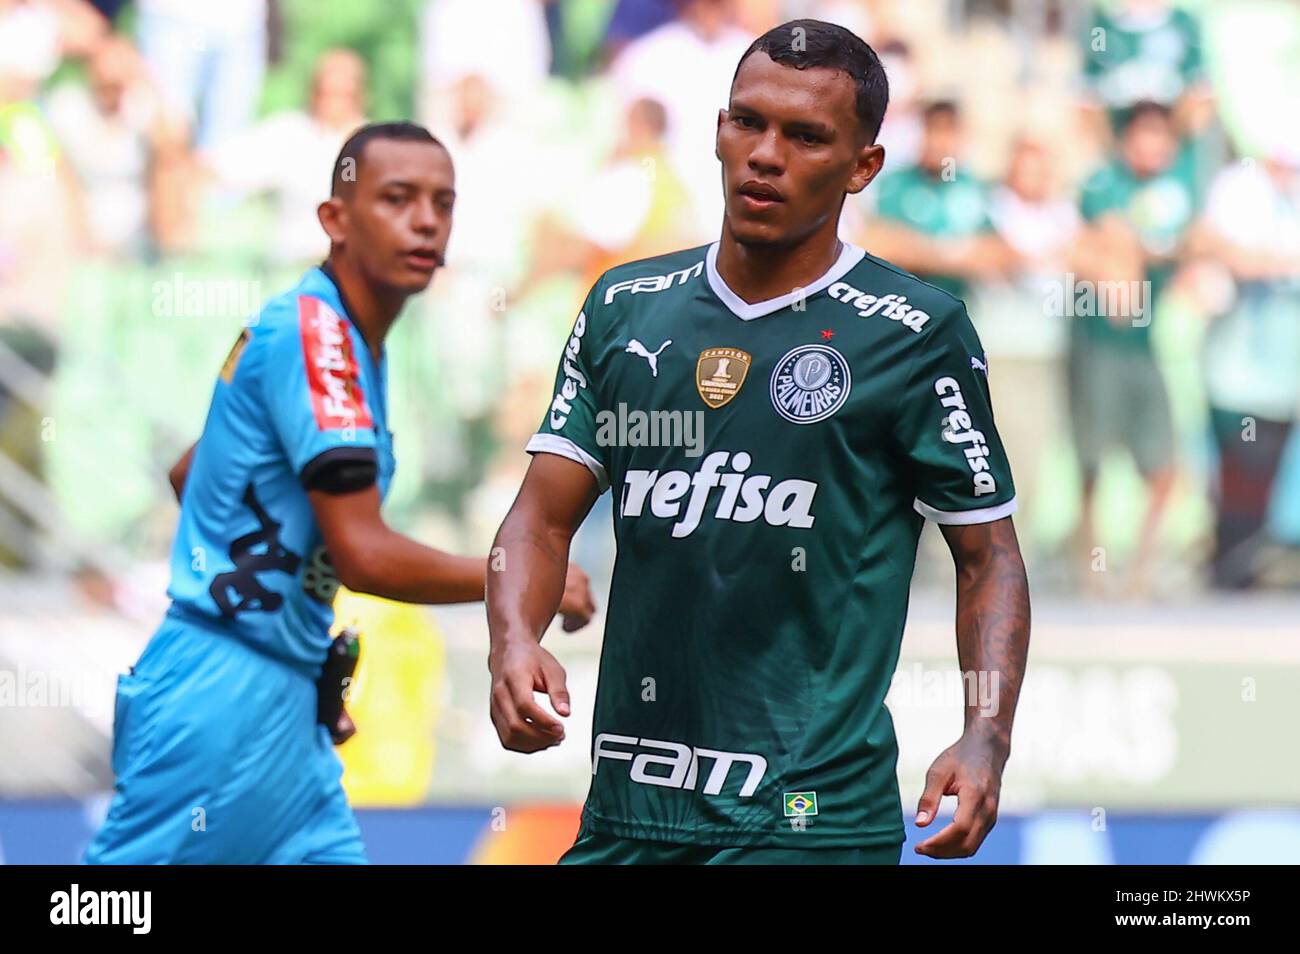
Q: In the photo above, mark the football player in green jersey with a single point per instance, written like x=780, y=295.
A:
x=777, y=415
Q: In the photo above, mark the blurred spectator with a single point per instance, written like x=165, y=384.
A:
x=687, y=65
x=34, y=241
x=503, y=41
x=635, y=207
x=932, y=217
x=498, y=192
x=209, y=58
x=1028, y=212
x=1020, y=329
x=291, y=155
x=1251, y=227
x=494, y=202
x=901, y=131
x=109, y=131
x=34, y=37
x=856, y=16
x=109, y=8
x=1139, y=208
x=1147, y=50
x=29, y=46
x=582, y=33
x=631, y=19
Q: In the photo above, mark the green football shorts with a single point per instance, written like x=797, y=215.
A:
x=596, y=849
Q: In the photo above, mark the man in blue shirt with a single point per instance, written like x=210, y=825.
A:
x=217, y=751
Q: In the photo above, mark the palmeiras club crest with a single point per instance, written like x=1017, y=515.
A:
x=810, y=383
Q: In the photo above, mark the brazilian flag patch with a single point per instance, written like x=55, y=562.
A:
x=800, y=803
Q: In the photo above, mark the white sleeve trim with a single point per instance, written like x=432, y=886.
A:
x=961, y=518
x=563, y=447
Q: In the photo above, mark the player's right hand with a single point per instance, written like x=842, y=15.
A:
x=576, y=605
x=521, y=723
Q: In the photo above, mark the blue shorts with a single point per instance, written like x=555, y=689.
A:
x=219, y=760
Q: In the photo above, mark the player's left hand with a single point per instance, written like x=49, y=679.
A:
x=971, y=769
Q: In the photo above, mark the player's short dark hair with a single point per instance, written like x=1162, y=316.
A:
x=1143, y=109
x=347, y=167
x=808, y=43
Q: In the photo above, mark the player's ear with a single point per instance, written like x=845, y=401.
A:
x=722, y=118
x=333, y=219
x=870, y=160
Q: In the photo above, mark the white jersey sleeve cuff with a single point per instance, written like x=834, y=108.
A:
x=961, y=518
x=563, y=447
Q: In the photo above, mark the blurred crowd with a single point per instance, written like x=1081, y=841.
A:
x=1113, y=188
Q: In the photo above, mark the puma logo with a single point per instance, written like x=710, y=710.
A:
x=977, y=365
x=636, y=347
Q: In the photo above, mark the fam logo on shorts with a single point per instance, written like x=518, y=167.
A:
x=810, y=383
x=720, y=373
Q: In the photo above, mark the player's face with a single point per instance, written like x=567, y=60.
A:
x=790, y=145
x=398, y=218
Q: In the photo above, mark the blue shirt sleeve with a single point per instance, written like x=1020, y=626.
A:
x=312, y=389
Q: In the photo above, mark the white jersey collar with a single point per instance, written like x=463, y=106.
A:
x=850, y=255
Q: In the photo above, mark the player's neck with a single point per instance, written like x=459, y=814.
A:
x=763, y=272
x=373, y=310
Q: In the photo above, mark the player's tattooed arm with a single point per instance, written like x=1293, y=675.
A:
x=528, y=579
x=992, y=647
x=180, y=471
x=992, y=621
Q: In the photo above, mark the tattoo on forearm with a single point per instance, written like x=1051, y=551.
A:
x=993, y=614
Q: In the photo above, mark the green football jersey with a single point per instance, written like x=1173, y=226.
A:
x=772, y=465
x=1139, y=56
x=955, y=207
x=1160, y=209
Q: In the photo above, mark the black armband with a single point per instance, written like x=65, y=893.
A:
x=341, y=470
